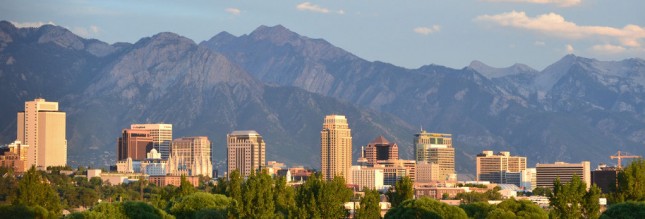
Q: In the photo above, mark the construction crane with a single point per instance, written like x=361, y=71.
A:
x=620, y=155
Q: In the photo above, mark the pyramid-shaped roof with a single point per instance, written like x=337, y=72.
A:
x=379, y=140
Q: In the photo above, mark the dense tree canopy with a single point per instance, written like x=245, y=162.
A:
x=402, y=190
x=369, y=206
x=571, y=200
x=190, y=205
x=425, y=208
x=625, y=210
x=630, y=182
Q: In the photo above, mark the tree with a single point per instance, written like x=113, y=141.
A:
x=522, y=209
x=34, y=191
x=542, y=191
x=369, y=207
x=571, y=200
x=8, y=185
x=629, y=209
x=283, y=197
x=188, y=206
x=319, y=199
x=403, y=190
x=630, y=182
x=425, y=208
x=185, y=187
x=257, y=196
x=477, y=210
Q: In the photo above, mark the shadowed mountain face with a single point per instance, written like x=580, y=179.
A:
x=283, y=84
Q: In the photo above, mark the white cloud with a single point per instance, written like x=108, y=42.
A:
x=539, y=43
x=569, y=49
x=555, y=25
x=561, y=3
x=608, y=48
x=308, y=6
x=233, y=11
x=30, y=24
x=86, y=32
x=427, y=30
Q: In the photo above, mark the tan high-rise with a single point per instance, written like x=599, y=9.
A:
x=336, y=148
x=190, y=156
x=161, y=136
x=492, y=167
x=246, y=152
x=42, y=127
x=436, y=148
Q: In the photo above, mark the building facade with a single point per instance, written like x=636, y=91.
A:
x=134, y=144
x=42, y=127
x=501, y=168
x=161, y=136
x=14, y=156
x=190, y=156
x=547, y=173
x=367, y=177
x=336, y=148
x=436, y=148
x=380, y=149
x=246, y=152
x=605, y=178
x=427, y=172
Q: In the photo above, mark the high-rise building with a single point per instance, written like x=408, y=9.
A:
x=42, y=127
x=246, y=152
x=134, y=144
x=190, y=156
x=436, y=148
x=427, y=172
x=495, y=167
x=336, y=148
x=528, y=178
x=393, y=170
x=547, y=173
x=381, y=149
x=161, y=136
x=605, y=178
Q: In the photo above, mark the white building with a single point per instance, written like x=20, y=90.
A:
x=42, y=127
x=161, y=136
x=369, y=177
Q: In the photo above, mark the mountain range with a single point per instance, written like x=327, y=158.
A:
x=282, y=84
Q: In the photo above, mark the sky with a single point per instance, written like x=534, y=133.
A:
x=410, y=33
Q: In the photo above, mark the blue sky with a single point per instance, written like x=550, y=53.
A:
x=405, y=33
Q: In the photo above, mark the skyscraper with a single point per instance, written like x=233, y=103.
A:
x=246, y=152
x=161, y=136
x=42, y=127
x=436, y=148
x=336, y=148
x=548, y=172
x=380, y=149
x=190, y=156
x=493, y=167
x=134, y=144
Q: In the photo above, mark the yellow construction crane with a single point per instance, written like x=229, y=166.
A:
x=620, y=155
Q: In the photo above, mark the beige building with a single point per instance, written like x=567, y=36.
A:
x=547, y=173
x=336, y=148
x=394, y=170
x=436, y=148
x=42, y=127
x=190, y=156
x=161, y=136
x=427, y=172
x=14, y=156
x=246, y=152
x=381, y=149
x=496, y=167
x=367, y=177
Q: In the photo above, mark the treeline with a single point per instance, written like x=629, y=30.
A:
x=38, y=194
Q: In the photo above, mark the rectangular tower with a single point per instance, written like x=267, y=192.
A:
x=336, y=148
x=246, y=152
x=134, y=144
x=493, y=167
x=161, y=136
x=548, y=172
x=190, y=156
x=42, y=127
x=436, y=148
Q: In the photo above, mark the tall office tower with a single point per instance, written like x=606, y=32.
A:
x=134, y=144
x=336, y=148
x=42, y=127
x=436, y=148
x=494, y=167
x=190, y=156
x=246, y=152
x=161, y=136
x=547, y=173
x=381, y=149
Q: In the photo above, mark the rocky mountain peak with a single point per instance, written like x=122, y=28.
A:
x=492, y=72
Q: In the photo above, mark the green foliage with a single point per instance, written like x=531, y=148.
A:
x=284, y=198
x=571, y=200
x=510, y=208
x=477, y=210
x=425, y=208
x=22, y=211
x=542, y=191
x=257, y=196
x=34, y=190
x=471, y=197
x=319, y=199
x=188, y=206
x=122, y=210
x=402, y=190
x=369, y=207
x=8, y=185
x=630, y=182
x=625, y=210
x=185, y=187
